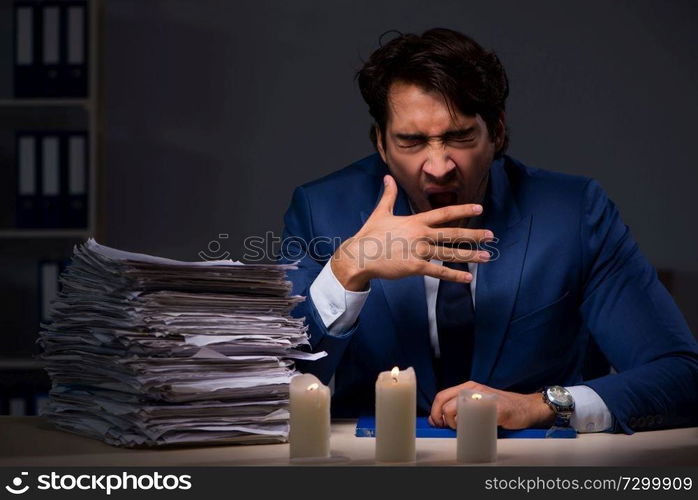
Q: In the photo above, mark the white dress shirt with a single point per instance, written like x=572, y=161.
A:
x=339, y=309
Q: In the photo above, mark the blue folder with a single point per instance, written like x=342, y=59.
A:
x=366, y=427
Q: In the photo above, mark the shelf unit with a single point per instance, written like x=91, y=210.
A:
x=44, y=233
x=42, y=103
x=20, y=363
x=21, y=249
x=91, y=105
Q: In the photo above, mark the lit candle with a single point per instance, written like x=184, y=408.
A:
x=476, y=426
x=309, y=435
x=396, y=415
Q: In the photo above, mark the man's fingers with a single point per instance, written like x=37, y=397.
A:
x=449, y=412
x=436, y=415
x=440, y=400
x=427, y=251
x=439, y=408
x=458, y=255
x=459, y=235
x=444, y=273
x=387, y=201
x=449, y=213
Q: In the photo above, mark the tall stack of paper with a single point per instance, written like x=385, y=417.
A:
x=146, y=351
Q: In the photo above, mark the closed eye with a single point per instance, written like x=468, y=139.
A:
x=460, y=142
x=412, y=145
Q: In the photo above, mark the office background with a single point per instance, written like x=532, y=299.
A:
x=214, y=111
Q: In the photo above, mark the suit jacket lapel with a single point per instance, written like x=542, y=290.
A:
x=498, y=280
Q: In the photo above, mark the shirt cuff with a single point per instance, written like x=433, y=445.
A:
x=590, y=412
x=338, y=308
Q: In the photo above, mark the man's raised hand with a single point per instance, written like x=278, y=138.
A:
x=391, y=247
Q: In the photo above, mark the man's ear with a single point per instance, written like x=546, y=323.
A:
x=379, y=144
x=501, y=131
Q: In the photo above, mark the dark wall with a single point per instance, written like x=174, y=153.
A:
x=216, y=110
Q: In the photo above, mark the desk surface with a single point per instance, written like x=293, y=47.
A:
x=31, y=441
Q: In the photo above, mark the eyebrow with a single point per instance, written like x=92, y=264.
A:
x=449, y=134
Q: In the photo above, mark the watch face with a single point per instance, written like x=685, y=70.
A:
x=560, y=395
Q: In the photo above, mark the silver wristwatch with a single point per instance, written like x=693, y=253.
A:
x=562, y=403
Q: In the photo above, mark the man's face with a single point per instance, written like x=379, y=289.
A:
x=438, y=160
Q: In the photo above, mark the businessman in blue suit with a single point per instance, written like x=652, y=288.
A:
x=443, y=253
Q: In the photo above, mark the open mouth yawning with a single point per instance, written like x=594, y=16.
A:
x=442, y=199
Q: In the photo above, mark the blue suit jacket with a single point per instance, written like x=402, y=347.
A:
x=569, y=278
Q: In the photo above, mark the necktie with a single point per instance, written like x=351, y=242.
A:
x=455, y=321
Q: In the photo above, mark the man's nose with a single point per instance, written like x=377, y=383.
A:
x=439, y=165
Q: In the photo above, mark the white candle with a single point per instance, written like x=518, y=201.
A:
x=396, y=415
x=476, y=424
x=309, y=435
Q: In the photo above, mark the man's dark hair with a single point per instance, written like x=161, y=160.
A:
x=440, y=60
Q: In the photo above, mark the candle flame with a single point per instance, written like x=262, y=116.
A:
x=394, y=373
x=313, y=387
x=476, y=396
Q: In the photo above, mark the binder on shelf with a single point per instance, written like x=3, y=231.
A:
x=51, y=196
x=51, y=48
x=27, y=161
x=26, y=49
x=75, y=197
x=17, y=407
x=52, y=62
x=52, y=179
x=49, y=271
x=74, y=74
